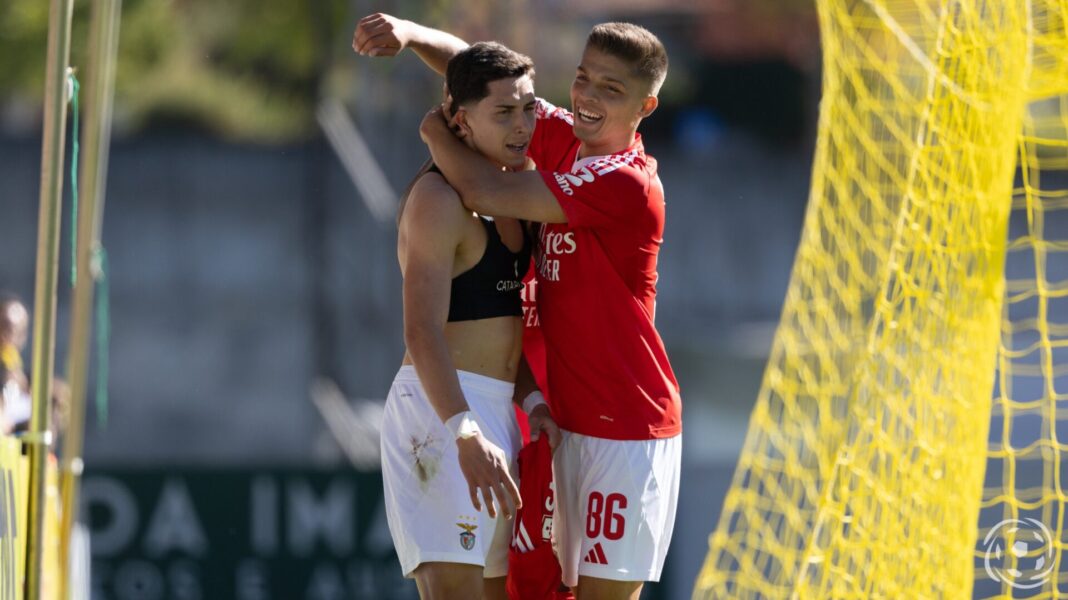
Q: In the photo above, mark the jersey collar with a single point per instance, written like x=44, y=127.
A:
x=635, y=145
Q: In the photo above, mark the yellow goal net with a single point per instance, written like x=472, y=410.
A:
x=906, y=442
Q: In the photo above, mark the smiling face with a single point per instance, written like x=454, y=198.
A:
x=501, y=124
x=608, y=100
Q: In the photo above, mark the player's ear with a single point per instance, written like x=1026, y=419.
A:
x=648, y=106
x=459, y=122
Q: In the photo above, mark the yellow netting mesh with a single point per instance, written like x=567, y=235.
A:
x=863, y=471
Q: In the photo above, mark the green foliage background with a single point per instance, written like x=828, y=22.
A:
x=244, y=69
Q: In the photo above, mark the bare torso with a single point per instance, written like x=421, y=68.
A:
x=493, y=346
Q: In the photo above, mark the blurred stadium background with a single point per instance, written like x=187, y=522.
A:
x=254, y=281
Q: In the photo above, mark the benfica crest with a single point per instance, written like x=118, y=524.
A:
x=467, y=536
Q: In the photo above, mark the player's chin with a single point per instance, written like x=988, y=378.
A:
x=515, y=164
x=587, y=132
x=513, y=158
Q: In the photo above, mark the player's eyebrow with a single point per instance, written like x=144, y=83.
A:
x=605, y=77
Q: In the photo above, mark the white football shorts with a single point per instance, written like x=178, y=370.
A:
x=615, y=506
x=428, y=506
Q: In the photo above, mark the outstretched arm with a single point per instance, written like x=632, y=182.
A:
x=483, y=187
x=385, y=35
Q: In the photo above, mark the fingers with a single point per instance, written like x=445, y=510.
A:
x=552, y=430
x=486, y=470
x=445, y=108
x=536, y=425
x=506, y=494
x=433, y=116
x=487, y=495
x=507, y=506
x=375, y=36
x=474, y=497
x=554, y=436
x=376, y=44
x=542, y=422
x=365, y=30
x=373, y=17
x=516, y=501
x=386, y=51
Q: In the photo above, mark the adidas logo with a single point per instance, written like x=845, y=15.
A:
x=596, y=555
x=521, y=540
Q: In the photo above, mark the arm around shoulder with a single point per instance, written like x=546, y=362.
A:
x=523, y=195
x=483, y=186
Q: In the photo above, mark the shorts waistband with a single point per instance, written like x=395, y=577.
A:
x=468, y=380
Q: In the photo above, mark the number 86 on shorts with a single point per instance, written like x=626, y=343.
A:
x=603, y=515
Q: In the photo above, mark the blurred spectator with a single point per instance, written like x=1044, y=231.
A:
x=17, y=402
x=14, y=331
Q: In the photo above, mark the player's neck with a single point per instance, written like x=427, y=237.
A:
x=606, y=147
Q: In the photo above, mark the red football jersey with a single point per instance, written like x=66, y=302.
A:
x=533, y=570
x=533, y=342
x=608, y=373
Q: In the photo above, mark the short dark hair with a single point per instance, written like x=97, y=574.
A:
x=467, y=78
x=635, y=45
x=470, y=72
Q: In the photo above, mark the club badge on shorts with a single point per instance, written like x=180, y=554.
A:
x=467, y=536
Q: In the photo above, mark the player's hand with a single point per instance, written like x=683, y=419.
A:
x=433, y=124
x=381, y=35
x=446, y=108
x=541, y=420
x=486, y=469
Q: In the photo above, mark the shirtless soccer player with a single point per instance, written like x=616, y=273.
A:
x=449, y=433
x=601, y=206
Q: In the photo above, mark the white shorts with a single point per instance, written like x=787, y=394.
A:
x=615, y=506
x=428, y=506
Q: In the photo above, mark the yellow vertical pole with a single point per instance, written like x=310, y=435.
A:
x=44, y=314
x=96, y=141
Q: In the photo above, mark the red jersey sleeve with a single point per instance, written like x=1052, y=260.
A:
x=608, y=192
x=553, y=136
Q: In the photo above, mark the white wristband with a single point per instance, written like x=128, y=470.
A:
x=462, y=425
x=532, y=401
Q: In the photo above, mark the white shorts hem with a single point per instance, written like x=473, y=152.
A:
x=608, y=572
x=408, y=567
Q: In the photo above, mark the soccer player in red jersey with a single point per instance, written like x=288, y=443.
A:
x=611, y=386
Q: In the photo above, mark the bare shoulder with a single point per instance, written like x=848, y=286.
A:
x=433, y=202
x=434, y=218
